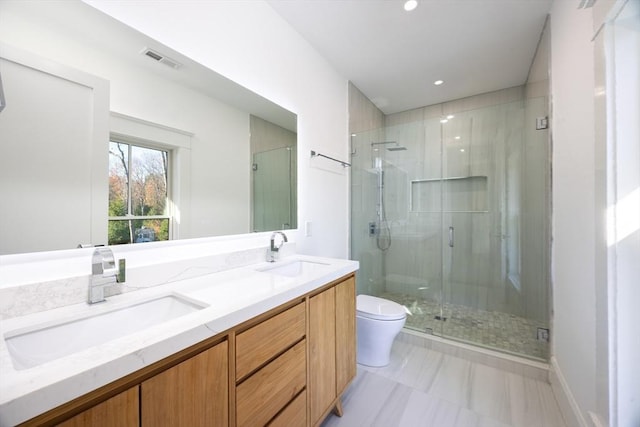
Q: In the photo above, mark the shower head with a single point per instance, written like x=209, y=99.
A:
x=396, y=147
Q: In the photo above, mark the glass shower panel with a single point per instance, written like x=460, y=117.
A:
x=398, y=247
x=370, y=277
x=412, y=262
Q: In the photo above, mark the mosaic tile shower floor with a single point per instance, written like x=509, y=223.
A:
x=492, y=329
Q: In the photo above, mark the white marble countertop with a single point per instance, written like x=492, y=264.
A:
x=231, y=297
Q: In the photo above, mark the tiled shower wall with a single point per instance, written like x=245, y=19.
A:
x=488, y=127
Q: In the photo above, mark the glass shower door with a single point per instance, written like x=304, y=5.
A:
x=274, y=201
x=493, y=210
x=471, y=251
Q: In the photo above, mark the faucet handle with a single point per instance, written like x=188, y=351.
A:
x=272, y=254
x=103, y=262
x=104, y=272
x=273, y=237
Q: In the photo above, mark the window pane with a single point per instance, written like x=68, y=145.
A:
x=118, y=183
x=151, y=230
x=148, y=181
x=138, y=230
x=119, y=232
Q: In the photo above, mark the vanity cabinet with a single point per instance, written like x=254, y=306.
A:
x=192, y=393
x=332, y=347
x=287, y=367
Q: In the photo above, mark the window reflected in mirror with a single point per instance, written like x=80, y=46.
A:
x=138, y=194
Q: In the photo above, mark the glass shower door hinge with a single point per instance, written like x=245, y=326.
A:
x=543, y=334
x=542, y=123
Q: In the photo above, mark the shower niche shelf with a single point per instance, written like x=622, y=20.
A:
x=456, y=194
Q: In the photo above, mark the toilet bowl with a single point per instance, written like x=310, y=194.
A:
x=378, y=322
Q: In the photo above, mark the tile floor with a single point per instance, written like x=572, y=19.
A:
x=423, y=387
x=492, y=329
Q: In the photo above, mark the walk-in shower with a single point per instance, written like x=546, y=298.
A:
x=450, y=219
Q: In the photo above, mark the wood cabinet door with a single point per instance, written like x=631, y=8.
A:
x=322, y=349
x=345, y=333
x=119, y=411
x=192, y=393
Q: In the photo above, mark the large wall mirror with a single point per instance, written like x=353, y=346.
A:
x=110, y=137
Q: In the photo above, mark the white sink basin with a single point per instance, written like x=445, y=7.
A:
x=293, y=268
x=50, y=341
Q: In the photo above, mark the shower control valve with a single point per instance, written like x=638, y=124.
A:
x=373, y=229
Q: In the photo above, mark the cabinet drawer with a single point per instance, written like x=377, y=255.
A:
x=294, y=415
x=261, y=343
x=265, y=393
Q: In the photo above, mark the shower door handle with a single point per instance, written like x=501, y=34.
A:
x=450, y=237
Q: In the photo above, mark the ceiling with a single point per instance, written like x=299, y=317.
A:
x=394, y=56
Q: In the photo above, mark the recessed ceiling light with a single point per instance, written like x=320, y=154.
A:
x=462, y=150
x=450, y=116
x=409, y=5
x=456, y=137
x=438, y=82
x=443, y=120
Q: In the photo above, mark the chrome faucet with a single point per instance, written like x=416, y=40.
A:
x=272, y=255
x=103, y=273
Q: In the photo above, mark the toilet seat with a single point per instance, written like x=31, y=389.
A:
x=378, y=308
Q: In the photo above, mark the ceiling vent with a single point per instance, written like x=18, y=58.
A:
x=585, y=4
x=157, y=56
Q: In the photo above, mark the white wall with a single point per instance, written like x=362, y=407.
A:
x=53, y=164
x=249, y=43
x=624, y=211
x=574, y=218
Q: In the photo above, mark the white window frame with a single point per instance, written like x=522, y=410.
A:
x=142, y=133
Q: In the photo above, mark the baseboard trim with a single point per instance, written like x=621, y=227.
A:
x=568, y=406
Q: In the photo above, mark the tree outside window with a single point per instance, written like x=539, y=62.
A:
x=138, y=208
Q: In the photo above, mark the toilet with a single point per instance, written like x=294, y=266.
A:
x=378, y=322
